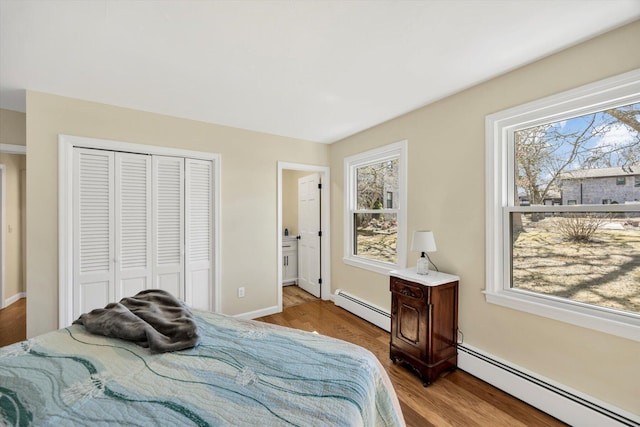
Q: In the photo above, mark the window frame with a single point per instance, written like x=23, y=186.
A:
x=387, y=152
x=500, y=180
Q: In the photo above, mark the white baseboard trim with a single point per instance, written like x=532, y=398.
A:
x=258, y=313
x=568, y=405
x=14, y=298
x=364, y=309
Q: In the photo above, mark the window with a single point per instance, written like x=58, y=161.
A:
x=637, y=181
x=621, y=180
x=576, y=261
x=375, y=208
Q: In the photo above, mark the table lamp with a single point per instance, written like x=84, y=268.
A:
x=423, y=242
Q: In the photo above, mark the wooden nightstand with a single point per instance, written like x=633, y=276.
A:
x=424, y=321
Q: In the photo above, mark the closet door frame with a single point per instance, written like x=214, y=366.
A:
x=66, y=144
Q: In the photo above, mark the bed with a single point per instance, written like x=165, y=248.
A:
x=243, y=373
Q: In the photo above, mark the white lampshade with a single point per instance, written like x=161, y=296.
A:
x=423, y=241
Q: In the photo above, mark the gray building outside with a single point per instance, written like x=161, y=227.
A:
x=618, y=185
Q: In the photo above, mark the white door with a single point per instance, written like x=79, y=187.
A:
x=168, y=224
x=199, y=233
x=93, y=230
x=133, y=224
x=112, y=233
x=309, y=230
x=141, y=222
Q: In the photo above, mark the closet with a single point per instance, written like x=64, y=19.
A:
x=141, y=221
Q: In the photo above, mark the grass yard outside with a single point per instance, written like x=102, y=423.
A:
x=378, y=246
x=377, y=237
x=604, y=271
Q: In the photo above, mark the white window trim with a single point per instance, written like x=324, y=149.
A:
x=499, y=166
x=396, y=149
x=66, y=143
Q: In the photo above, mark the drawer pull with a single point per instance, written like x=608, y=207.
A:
x=408, y=292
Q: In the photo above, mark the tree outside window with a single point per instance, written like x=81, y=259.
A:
x=591, y=257
x=562, y=230
x=376, y=231
x=374, y=218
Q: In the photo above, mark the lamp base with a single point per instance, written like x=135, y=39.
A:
x=422, y=267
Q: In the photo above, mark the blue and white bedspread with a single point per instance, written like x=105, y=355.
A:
x=244, y=373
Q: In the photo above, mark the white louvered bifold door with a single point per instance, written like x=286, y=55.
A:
x=93, y=230
x=168, y=224
x=133, y=271
x=199, y=233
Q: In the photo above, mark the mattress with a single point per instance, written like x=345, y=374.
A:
x=243, y=373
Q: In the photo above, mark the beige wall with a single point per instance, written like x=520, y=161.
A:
x=290, y=199
x=248, y=191
x=13, y=127
x=12, y=131
x=446, y=194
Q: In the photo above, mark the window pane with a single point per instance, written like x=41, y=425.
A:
x=375, y=182
x=376, y=236
x=586, y=159
x=591, y=257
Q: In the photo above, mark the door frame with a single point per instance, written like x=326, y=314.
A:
x=3, y=197
x=7, y=149
x=325, y=201
x=66, y=144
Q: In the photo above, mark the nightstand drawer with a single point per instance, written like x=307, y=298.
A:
x=408, y=289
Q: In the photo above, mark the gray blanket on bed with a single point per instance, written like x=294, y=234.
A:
x=153, y=318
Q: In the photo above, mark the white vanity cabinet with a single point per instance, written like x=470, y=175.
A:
x=289, y=260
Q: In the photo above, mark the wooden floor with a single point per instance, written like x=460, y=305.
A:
x=13, y=323
x=294, y=295
x=456, y=399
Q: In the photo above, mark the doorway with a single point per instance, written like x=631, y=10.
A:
x=323, y=244
x=12, y=224
x=3, y=198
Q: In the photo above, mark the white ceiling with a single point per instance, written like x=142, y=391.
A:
x=314, y=70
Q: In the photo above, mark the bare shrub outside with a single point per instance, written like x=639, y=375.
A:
x=584, y=245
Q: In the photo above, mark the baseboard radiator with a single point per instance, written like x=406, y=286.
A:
x=569, y=406
x=361, y=308
x=557, y=400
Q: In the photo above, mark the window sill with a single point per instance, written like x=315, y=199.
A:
x=377, y=267
x=597, y=318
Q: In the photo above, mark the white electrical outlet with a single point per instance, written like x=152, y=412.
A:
x=241, y=292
